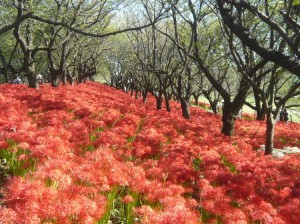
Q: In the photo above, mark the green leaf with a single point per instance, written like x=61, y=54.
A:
x=196, y=163
x=296, y=2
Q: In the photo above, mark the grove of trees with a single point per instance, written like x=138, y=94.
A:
x=233, y=52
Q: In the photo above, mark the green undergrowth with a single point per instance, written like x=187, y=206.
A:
x=18, y=161
x=120, y=211
x=132, y=138
x=230, y=165
x=206, y=217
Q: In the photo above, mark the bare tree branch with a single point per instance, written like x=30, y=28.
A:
x=16, y=23
x=285, y=61
x=32, y=16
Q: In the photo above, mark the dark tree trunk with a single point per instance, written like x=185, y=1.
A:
x=144, y=95
x=168, y=106
x=228, y=119
x=184, y=98
x=30, y=72
x=196, y=99
x=64, y=80
x=80, y=78
x=32, y=83
x=269, y=134
x=214, y=107
x=159, y=101
x=54, y=82
x=64, y=77
x=167, y=102
x=260, y=109
x=211, y=103
x=71, y=81
x=232, y=109
x=185, y=109
x=261, y=114
x=54, y=75
x=70, y=78
x=26, y=46
x=5, y=69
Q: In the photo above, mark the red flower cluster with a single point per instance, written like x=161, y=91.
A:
x=86, y=140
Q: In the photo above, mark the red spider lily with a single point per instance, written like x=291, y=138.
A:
x=88, y=140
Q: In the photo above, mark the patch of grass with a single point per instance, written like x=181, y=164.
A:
x=17, y=159
x=196, y=163
x=51, y=183
x=132, y=138
x=230, y=165
x=118, y=211
x=235, y=204
x=207, y=217
x=99, y=129
x=88, y=148
x=283, y=140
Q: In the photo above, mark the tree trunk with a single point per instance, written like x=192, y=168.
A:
x=30, y=72
x=168, y=106
x=64, y=77
x=54, y=78
x=159, y=101
x=214, y=106
x=185, y=109
x=136, y=94
x=144, y=95
x=80, y=78
x=64, y=80
x=260, y=109
x=167, y=102
x=269, y=134
x=70, y=79
x=196, y=100
x=32, y=83
x=228, y=119
x=54, y=82
x=260, y=114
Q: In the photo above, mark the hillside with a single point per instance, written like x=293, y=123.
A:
x=93, y=154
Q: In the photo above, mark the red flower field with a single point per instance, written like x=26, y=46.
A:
x=92, y=154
